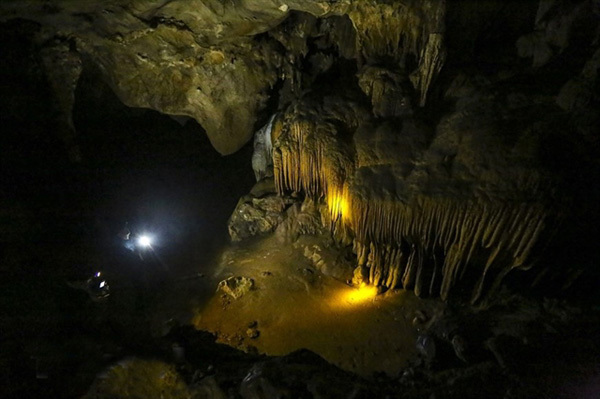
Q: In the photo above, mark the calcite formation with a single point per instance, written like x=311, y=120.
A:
x=309, y=157
x=399, y=30
x=452, y=210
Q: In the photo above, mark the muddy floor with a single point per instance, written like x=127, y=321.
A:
x=292, y=306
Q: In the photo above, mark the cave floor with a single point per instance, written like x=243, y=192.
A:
x=293, y=306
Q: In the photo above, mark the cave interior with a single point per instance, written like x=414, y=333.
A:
x=300, y=199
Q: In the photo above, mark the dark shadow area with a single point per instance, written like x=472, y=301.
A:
x=59, y=222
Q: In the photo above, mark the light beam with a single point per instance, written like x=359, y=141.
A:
x=144, y=241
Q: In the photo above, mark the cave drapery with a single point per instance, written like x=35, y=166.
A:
x=416, y=222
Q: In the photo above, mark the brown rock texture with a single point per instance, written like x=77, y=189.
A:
x=209, y=60
x=456, y=208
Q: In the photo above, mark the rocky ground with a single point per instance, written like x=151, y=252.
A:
x=321, y=341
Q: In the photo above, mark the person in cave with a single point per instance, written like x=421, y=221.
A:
x=124, y=233
x=136, y=244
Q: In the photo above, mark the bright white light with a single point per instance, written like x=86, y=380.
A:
x=144, y=241
x=102, y=284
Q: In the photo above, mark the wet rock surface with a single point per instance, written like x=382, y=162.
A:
x=259, y=212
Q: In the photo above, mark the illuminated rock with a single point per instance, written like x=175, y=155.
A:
x=301, y=219
x=212, y=61
x=400, y=30
x=259, y=212
x=236, y=287
x=457, y=209
x=262, y=157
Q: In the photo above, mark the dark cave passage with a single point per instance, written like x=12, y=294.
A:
x=61, y=220
x=159, y=176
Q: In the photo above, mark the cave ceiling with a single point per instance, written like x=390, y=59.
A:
x=218, y=62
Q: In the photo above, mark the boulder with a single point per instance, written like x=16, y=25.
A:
x=302, y=374
x=236, y=286
x=259, y=212
x=135, y=378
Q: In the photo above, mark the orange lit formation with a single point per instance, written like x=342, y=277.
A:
x=309, y=156
x=412, y=230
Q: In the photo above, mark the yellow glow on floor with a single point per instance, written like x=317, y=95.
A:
x=351, y=327
x=356, y=296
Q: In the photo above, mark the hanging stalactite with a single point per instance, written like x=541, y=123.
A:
x=399, y=31
x=418, y=230
x=310, y=158
x=408, y=240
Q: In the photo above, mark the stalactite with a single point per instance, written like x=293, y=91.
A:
x=462, y=231
x=396, y=30
x=403, y=235
x=309, y=157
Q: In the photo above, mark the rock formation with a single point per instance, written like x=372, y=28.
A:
x=425, y=210
x=436, y=164
x=262, y=157
x=211, y=61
